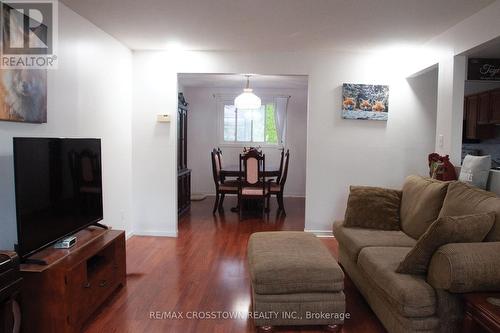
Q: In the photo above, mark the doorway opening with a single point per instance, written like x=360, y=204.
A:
x=209, y=122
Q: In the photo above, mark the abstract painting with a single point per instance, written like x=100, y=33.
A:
x=365, y=101
x=23, y=95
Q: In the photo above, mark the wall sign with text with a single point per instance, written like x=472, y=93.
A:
x=483, y=69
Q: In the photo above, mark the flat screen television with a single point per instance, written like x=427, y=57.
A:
x=58, y=189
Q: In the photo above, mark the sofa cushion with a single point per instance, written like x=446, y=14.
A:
x=286, y=262
x=446, y=230
x=373, y=207
x=353, y=240
x=463, y=199
x=475, y=170
x=421, y=202
x=410, y=295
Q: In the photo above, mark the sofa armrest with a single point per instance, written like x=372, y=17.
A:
x=466, y=267
x=337, y=225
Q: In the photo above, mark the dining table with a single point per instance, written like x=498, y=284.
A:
x=234, y=171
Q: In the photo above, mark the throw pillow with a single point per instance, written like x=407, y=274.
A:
x=464, y=199
x=475, y=170
x=421, y=203
x=445, y=230
x=373, y=208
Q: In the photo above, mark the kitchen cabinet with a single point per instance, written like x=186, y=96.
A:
x=495, y=106
x=471, y=111
x=481, y=114
x=483, y=108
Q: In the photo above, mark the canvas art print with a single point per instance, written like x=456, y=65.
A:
x=365, y=101
x=23, y=95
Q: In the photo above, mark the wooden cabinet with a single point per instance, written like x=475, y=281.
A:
x=472, y=115
x=184, y=174
x=10, y=288
x=184, y=188
x=483, y=108
x=481, y=114
x=495, y=106
x=62, y=295
x=181, y=138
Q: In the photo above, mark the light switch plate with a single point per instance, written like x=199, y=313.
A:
x=163, y=118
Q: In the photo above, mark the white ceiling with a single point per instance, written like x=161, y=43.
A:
x=239, y=81
x=273, y=25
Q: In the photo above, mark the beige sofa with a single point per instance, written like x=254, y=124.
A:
x=423, y=303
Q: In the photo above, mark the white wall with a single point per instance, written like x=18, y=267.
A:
x=450, y=107
x=154, y=148
x=448, y=49
x=203, y=136
x=339, y=152
x=89, y=95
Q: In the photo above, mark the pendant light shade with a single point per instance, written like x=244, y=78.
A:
x=247, y=99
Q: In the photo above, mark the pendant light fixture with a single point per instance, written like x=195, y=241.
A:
x=247, y=99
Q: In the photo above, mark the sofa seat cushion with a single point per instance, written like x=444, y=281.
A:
x=421, y=202
x=286, y=262
x=463, y=199
x=353, y=240
x=410, y=295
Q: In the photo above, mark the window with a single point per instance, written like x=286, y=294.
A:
x=250, y=126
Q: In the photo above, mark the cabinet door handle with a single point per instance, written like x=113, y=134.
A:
x=86, y=285
x=103, y=283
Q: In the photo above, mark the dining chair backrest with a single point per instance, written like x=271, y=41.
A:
x=219, y=153
x=252, y=167
x=215, y=166
x=281, y=164
x=284, y=172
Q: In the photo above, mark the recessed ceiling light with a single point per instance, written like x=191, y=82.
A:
x=174, y=46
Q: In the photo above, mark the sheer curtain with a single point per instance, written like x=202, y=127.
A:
x=281, y=107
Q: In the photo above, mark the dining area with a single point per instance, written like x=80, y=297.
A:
x=252, y=178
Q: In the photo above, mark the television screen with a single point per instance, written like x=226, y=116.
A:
x=58, y=189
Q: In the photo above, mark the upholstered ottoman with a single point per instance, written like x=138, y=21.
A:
x=295, y=281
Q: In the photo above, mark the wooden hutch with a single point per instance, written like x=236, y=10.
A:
x=184, y=174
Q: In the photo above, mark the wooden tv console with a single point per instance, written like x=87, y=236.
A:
x=62, y=295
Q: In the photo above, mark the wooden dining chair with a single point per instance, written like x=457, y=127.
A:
x=219, y=151
x=221, y=188
x=252, y=182
x=277, y=188
x=282, y=157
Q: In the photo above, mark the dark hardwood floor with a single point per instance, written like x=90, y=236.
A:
x=205, y=269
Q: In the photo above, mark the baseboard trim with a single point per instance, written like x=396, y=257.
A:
x=154, y=233
x=321, y=233
x=234, y=195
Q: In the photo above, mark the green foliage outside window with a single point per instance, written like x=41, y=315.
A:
x=271, y=132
